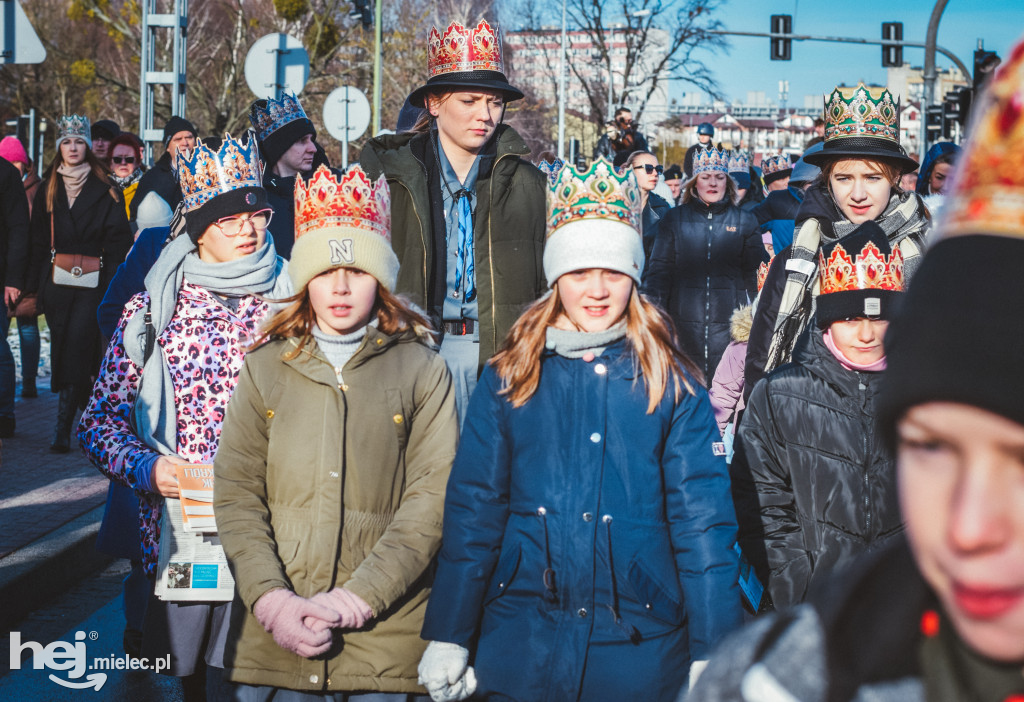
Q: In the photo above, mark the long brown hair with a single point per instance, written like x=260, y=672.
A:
x=648, y=329
x=99, y=169
x=296, y=321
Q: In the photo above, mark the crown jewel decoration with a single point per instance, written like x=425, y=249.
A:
x=267, y=119
x=460, y=49
x=74, y=126
x=204, y=174
x=551, y=169
x=706, y=160
x=739, y=162
x=773, y=164
x=762, y=273
x=988, y=184
x=348, y=202
x=862, y=112
x=597, y=193
x=869, y=270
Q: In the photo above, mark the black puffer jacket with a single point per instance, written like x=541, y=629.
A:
x=704, y=266
x=813, y=484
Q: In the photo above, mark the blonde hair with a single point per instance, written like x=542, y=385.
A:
x=649, y=332
x=690, y=190
x=296, y=321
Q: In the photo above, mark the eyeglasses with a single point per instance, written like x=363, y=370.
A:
x=232, y=226
x=122, y=159
x=649, y=169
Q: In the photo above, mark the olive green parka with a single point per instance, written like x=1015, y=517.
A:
x=324, y=482
x=509, y=227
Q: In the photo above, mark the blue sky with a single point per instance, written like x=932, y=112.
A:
x=817, y=66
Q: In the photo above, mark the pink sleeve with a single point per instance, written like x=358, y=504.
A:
x=105, y=430
x=727, y=385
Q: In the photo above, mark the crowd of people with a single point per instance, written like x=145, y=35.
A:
x=455, y=403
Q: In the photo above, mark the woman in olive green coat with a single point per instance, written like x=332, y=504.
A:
x=331, y=472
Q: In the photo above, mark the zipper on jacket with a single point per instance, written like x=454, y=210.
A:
x=550, y=590
x=630, y=631
x=867, y=460
x=707, y=305
x=490, y=251
x=423, y=240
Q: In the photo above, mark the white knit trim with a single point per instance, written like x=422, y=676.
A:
x=759, y=685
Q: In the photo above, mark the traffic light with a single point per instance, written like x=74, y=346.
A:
x=933, y=122
x=364, y=10
x=985, y=64
x=781, y=48
x=892, y=55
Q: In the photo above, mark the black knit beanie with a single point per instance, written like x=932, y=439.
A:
x=105, y=129
x=959, y=336
x=234, y=202
x=871, y=302
x=273, y=146
x=176, y=124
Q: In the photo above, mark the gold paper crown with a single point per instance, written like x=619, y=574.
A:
x=460, y=50
x=870, y=270
x=597, y=193
x=352, y=202
x=988, y=183
x=773, y=164
x=862, y=112
x=203, y=174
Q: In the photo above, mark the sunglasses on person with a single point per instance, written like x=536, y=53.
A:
x=232, y=226
x=122, y=159
x=649, y=169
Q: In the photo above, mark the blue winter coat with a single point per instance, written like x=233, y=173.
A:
x=572, y=508
x=776, y=214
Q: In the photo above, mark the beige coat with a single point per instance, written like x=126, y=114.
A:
x=321, y=484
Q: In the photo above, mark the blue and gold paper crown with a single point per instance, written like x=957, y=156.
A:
x=551, y=169
x=78, y=126
x=205, y=174
x=707, y=160
x=268, y=118
x=739, y=162
x=862, y=112
x=771, y=165
x=597, y=193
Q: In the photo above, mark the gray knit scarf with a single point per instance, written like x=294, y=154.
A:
x=904, y=224
x=576, y=344
x=262, y=272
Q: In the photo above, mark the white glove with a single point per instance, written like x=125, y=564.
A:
x=445, y=672
x=696, y=668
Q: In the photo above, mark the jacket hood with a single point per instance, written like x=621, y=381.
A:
x=924, y=175
x=739, y=323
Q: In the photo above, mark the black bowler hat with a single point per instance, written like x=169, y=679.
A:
x=862, y=122
x=464, y=59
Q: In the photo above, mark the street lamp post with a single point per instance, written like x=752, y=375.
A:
x=561, y=91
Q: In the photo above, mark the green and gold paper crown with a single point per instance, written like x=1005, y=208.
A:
x=988, y=182
x=597, y=193
x=862, y=112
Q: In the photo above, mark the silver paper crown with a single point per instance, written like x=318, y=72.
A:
x=267, y=119
x=74, y=126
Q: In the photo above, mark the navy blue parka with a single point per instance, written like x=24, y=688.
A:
x=588, y=546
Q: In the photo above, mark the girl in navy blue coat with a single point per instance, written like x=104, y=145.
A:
x=588, y=530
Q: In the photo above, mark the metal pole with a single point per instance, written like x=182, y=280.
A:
x=561, y=90
x=929, y=69
x=377, y=34
x=344, y=144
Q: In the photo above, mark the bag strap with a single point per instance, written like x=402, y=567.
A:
x=53, y=250
x=147, y=349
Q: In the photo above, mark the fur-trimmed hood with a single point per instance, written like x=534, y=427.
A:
x=739, y=323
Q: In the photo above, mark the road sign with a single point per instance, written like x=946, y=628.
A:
x=276, y=63
x=346, y=116
x=18, y=40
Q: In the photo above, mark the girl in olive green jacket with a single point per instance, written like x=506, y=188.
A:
x=331, y=472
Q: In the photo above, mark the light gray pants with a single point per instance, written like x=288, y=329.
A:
x=462, y=354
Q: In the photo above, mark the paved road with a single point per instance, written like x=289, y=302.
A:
x=93, y=607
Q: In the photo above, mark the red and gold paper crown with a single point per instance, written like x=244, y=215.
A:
x=870, y=270
x=988, y=182
x=349, y=203
x=762, y=273
x=459, y=49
